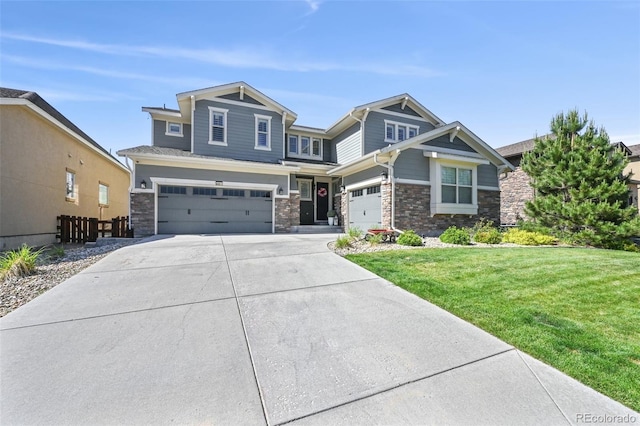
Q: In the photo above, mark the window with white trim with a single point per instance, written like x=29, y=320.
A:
x=218, y=126
x=305, y=146
x=304, y=186
x=173, y=129
x=457, y=185
x=103, y=194
x=263, y=132
x=293, y=144
x=71, y=184
x=397, y=132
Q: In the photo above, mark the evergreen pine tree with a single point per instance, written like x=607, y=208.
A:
x=580, y=189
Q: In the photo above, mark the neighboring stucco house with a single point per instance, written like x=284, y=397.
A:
x=49, y=167
x=231, y=159
x=516, y=191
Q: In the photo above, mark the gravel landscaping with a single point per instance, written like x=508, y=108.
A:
x=362, y=246
x=15, y=292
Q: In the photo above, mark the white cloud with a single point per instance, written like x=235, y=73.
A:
x=314, y=5
x=257, y=57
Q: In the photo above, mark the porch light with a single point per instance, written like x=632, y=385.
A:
x=342, y=188
x=384, y=175
x=143, y=184
x=280, y=191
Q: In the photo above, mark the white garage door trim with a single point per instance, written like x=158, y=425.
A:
x=157, y=181
x=365, y=197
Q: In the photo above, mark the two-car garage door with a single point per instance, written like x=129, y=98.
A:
x=199, y=210
x=365, y=208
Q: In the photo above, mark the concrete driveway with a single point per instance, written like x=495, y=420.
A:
x=264, y=329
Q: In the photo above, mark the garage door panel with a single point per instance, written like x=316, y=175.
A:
x=365, y=208
x=200, y=214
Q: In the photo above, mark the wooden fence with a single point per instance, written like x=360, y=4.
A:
x=77, y=229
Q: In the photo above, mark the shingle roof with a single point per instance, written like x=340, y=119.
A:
x=635, y=150
x=173, y=152
x=35, y=99
x=516, y=149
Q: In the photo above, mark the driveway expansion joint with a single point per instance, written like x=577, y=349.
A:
x=288, y=290
x=135, y=311
x=400, y=385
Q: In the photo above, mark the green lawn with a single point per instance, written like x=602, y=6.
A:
x=575, y=309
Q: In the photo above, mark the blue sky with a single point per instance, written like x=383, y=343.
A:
x=501, y=68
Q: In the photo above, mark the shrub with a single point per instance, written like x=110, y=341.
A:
x=18, y=263
x=56, y=252
x=409, y=238
x=527, y=238
x=343, y=241
x=354, y=232
x=374, y=239
x=488, y=236
x=484, y=232
x=455, y=235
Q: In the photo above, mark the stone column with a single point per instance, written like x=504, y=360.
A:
x=386, y=194
x=143, y=214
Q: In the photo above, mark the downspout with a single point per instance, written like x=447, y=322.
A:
x=193, y=113
x=393, y=187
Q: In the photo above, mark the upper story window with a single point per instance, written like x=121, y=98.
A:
x=293, y=144
x=71, y=184
x=173, y=129
x=218, y=126
x=263, y=132
x=103, y=194
x=457, y=185
x=396, y=132
x=305, y=146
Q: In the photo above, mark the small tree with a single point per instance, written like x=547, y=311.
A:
x=580, y=188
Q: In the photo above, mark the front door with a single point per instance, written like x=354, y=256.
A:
x=322, y=200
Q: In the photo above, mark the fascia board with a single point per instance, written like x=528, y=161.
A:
x=212, y=164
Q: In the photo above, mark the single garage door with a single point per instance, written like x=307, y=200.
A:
x=196, y=210
x=365, y=208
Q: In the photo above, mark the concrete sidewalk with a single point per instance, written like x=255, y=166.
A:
x=262, y=329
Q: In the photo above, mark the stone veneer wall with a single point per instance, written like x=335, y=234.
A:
x=516, y=191
x=142, y=213
x=385, y=194
x=413, y=210
x=344, y=209
x=337, y=203
x=287, y=213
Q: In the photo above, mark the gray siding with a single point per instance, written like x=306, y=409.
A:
x=443, y=142
x=144, y=171
x=398, y=108
x=412, y=164
x=487, y=175
x=328, y=151
x=364, y=175
x=160, y=138
x=236, y=97
x=348, y=144
x=241, y=137
x=375, y=129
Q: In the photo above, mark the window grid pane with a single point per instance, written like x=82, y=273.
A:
x=464, y=195
x=448, y=194
x=464, y=177
x=316, y=147
x=71, y=184
x=402, y=132
x=448, y=175
x=391, y=132
x=293, y=144
x=305, y=146
x=412, y=132
x=262, y=139
x=103, y=194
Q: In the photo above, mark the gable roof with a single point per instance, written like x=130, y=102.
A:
x=38, y=104
x=184, y=98
x=635, y=150
x=455, y=129
x=360, y=111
